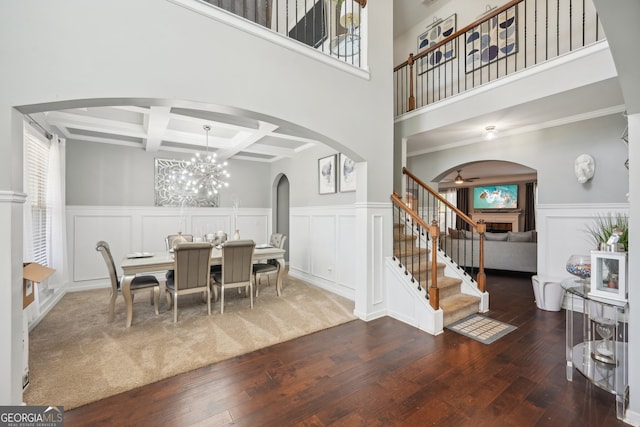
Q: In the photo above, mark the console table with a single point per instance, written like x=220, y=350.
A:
x=597, y=344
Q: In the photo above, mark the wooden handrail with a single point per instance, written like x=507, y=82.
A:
x=396, y=198
x=433, y=292
x=458, y=212
x=458, y=33
x=480, y=227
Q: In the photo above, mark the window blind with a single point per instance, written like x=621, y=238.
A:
x=36, y=159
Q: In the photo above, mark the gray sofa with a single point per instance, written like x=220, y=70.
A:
x=513, y=251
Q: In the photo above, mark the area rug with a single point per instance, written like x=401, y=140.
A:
x=481, y=328
x=77, y=357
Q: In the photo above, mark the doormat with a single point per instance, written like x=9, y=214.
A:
x=481, y=328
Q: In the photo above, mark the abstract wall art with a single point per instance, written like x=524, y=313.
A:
x=492, y=40
x=435, y=33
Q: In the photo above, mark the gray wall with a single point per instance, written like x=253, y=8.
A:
x=551, y=152
x=302, y=172
x=111, y=175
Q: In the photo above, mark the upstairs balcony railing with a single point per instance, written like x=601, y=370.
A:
x=330, y=26
x=503, y=41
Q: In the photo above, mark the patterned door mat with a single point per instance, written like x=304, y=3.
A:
x=481, y=328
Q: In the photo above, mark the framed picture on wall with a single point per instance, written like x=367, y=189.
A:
x=435, y=33
x=347, y=174
x=327, y=174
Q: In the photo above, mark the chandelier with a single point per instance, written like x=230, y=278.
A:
x=203, y=175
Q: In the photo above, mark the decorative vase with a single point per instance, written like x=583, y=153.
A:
x=237, y=235
x=580, y=266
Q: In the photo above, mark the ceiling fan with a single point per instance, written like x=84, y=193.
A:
x=460, y=180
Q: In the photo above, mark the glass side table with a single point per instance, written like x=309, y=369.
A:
x=600, y=352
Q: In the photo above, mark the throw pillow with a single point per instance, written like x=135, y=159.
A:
x=455, y=234
x=522, y=236
x=468, y=234
x=499, y=237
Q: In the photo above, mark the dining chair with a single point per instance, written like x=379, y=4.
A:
x=169, y=240
x=139, y=283
x=192, y=263
x=271, y=266
x=237, y=259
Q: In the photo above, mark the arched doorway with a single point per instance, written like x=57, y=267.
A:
x=281, y=210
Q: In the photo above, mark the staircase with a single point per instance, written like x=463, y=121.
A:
x=415, y=259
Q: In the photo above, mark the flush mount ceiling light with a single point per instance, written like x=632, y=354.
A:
x=489, y=132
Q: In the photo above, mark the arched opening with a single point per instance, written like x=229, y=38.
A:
x=281, y=210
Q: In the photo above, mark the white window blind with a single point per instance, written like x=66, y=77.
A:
x=36, y=159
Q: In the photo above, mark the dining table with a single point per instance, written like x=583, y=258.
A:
x=144, y=262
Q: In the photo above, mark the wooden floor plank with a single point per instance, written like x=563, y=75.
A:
x=381, y=373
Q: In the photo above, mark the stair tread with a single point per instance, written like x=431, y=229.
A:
x=456, y=301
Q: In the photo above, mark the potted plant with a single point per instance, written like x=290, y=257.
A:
x=610, y=229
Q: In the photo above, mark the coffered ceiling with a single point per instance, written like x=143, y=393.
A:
x=160, y=128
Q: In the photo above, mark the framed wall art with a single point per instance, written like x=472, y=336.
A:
x=491, y=41
x=327, y=174
x=171, y=188
x=436, y=32
x=347, y=174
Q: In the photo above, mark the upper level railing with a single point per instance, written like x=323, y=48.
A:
x=330, y=26
x=507, y=39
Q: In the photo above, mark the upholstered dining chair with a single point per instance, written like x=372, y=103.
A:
x=237, y=259
x=271, y=266
x=192, y=264
x=139, y=283
x=169, y=243
x=169, y=240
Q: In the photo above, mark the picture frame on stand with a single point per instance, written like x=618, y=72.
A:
x=609, y=275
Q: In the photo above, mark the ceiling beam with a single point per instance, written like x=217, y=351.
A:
x=157, y=122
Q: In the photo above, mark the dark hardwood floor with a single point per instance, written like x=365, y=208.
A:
x=381, y=373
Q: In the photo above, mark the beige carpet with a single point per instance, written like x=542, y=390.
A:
x=77, y=357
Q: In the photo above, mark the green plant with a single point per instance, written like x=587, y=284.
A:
x=606, y=225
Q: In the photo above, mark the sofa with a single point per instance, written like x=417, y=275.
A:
x=513, y=251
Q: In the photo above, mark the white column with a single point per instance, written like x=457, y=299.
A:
x=633, y=411
x=373, y=245
x=11, y=317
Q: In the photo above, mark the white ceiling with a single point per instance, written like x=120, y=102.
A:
x=154, y=128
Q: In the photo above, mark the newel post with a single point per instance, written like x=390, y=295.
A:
x=412, y=98
x=434, y=292
x=482, y=277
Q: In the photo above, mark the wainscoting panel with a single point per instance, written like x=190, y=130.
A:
x=88, y=264
x=133, y=229
x=323, y=247
x=155, y=228
x=203, y=224
x=299, y=245
x=253, y=227
x=562, y=232
x=346, y=272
